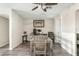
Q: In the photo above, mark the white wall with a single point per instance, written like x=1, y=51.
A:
x=16, y=29
x=4, y=31
x=77, y=21
x=28, y=25
x=57, y=28
x=68, y=41
x=49, y=25
x=68, y=29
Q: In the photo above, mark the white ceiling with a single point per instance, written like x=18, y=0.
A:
x=25, y=10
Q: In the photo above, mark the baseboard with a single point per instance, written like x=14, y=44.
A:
x=3, y=44
x=11, y=48
x=66, y=50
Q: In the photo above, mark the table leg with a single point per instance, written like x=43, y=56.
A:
x=22, y=39
x=26, y=38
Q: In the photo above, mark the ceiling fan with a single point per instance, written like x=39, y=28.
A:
x=44, y=6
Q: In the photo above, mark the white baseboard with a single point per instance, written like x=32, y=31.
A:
x=4, y=43
x=12, y=47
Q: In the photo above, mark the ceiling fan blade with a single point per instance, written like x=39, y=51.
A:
x=48, y=7
x=38, y=3
x=51, y=3
x=35, y=8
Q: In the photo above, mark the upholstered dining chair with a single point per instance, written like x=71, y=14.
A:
x=40, y=42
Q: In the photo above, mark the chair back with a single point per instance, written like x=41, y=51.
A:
x=40, y=42
x=40, y=37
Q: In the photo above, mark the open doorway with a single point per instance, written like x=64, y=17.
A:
x=4, y=33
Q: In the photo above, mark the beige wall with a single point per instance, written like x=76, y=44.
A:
x=4, y=31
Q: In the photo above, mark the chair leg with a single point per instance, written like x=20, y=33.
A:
x=34, y=53
x=51, y=52
x=30, y=48
x=45, y=53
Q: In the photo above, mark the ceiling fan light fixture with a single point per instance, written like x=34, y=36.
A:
x=45, y=9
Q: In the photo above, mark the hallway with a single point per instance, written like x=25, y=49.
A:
x=24, y=50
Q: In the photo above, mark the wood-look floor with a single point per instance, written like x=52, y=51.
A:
x=24, y=50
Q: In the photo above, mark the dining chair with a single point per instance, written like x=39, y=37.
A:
x=40, y=46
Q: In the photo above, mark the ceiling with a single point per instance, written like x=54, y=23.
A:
x=25, y=10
